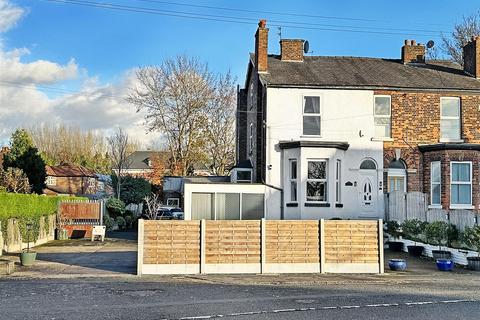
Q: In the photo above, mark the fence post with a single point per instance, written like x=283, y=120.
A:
x=141, y=236
x=322, y=246
x=202, y=246
x=380, y=246
x=263, y=245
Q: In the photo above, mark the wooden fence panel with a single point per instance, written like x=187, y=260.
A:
x=171, y=242
x=180, y=247
x=462, y=219
x=351, y=245
x=396, y=206
x=416, y=206
x=437, y=215
x=82, y=216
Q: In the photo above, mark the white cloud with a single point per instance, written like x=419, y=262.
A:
x=10, y=14
x=24, y=102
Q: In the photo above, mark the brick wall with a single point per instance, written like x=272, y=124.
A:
x=261, y=47
x=412, y=52
x=241, y=125
x=416, y=121
x=291, y=50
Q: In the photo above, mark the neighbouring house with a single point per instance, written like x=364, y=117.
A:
x=71, y=179
x=327, y=136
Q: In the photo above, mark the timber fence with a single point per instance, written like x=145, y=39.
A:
x=260, y=246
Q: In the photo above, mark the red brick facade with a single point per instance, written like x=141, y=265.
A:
x=415, y=118
x=291, y=50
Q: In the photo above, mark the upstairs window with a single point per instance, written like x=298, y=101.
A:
x=383, y=116
x=317, y=181
x=51, y=181
x=311, y=116
x=450, y=118
x=251, y=138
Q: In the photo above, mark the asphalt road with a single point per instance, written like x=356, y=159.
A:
x=200, y=298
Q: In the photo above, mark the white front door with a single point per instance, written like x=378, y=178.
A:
x=367, y=190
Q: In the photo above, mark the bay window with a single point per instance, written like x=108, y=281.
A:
x=317, y=181
x=460, y=184
x=293, y=180
x=435, y=183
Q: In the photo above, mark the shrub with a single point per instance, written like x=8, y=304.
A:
x=393, y=229
x=128, y=221
x=471, y=237
x=108, y=221
x=413, y=229
x=115, y=207
x=437, y=233
x=120, y=222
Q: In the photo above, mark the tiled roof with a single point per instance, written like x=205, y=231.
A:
x=355, y=72
x=69, y=170
x=139, y=159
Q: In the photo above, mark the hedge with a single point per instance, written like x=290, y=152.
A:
x=28, y=209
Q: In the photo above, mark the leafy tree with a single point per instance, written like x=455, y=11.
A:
x=14, y=180
x=115, y=207
x=133, y=189
x=23, y=155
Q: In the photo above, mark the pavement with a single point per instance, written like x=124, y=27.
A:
x=78, y=279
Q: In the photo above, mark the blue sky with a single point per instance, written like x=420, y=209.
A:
x=96, y=49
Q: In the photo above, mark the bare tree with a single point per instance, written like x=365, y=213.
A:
x=153, y=205
x=14, y=180
x=178, y=97
x=119, y=151
x=220, y=129
x=460, y=36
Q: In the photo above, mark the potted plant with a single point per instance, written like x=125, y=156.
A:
x=413, y=229
x=437, y=234
x=471, y=237
x=393, y=229
x=27, y=258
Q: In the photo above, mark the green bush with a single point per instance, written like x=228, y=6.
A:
x=115, y=207
x=27, y=209
x=471, y=237
x=437, y=233
x=393, y=229
x=108, y=221
x=128, y=221
x=413, y=229
x=120, y=222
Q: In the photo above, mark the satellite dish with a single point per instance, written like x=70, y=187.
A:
x=306, y=46
x=430, y=44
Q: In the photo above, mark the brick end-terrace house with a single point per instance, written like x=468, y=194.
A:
x=70, y=179
x=300, y=112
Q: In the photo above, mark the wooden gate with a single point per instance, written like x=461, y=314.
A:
x=78, y=218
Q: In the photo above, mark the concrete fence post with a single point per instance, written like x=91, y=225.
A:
x=380, y=247
x=322, y=246
x=202, y=245
x=263, y=245
x=141, y=238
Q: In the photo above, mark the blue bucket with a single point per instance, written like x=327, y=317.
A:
x=445, y=264
x=397, y=264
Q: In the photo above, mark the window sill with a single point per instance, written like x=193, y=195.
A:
x=382, y=139
x=306, y=136
x=435, y=206
x=292, y=204
x=317, y=204
x=462, y=206
x=452, y=140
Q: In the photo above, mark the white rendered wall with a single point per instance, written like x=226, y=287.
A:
x=347, y=116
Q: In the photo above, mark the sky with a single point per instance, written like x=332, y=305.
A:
x=74, y=61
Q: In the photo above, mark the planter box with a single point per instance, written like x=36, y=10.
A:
x=441, y=254
x=415, y=251
x=474, y=263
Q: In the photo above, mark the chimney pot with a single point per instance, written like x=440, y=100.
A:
x=414, y=42
x=262, y=23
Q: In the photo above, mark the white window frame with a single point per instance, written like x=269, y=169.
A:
x=459, y=118
x=435, y=205
x=389, y=116
x=470, y=183
x=319, y=114
x=307, y=180
x=173, y=199
x=51, y=181
x=293, y=180
x=338, y=181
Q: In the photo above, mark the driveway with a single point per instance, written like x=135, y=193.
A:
x=117, y=256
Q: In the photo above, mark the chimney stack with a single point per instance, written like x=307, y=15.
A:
x=261, y=47
x=413, y=52
x=471, y=57
x=291, y=50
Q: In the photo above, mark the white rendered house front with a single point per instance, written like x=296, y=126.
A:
x=322, y=153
